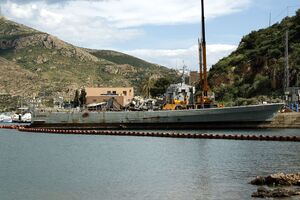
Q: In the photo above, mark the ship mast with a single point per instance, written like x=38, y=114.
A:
x=182, y=77
x=205, y=84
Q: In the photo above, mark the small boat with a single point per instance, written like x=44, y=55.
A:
x=26, y=118
x=16, y=118
x=19, y=118
x=4, y=118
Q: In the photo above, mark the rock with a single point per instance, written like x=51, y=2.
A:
x=4, y=44
x=278, y=179
x=259, y=180
x=41, y=59
x=48, y=42
x=263, y=192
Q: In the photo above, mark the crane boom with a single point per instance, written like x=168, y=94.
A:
x=205, y=84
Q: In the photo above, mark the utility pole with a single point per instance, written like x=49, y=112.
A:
x=270, y=19
x=286, y=71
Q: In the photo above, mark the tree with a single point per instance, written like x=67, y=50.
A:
x=160, y=86
x=82, y=98
x=76, y=99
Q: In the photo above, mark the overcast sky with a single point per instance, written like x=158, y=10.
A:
x=160, y=31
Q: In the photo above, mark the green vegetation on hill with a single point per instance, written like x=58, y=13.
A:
x=51, y=67
x=256, y=68
x=8, y=102
x=121, y=58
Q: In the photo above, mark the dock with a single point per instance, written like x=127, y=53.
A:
x=284, y=120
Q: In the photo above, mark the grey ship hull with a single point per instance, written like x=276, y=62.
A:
x=230, y=117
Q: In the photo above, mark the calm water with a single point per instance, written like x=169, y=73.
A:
x=71, y=167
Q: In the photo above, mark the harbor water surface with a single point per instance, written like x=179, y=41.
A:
x=65, y=167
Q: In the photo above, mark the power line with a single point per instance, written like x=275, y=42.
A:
x=291, y=6
x=284, y=10
x=280, y=14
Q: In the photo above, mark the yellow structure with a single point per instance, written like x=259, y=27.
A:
x=176, y=105
x=123, y=95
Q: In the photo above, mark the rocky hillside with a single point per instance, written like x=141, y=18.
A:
x=12, y=73
x=34, y=63
x=256, y=68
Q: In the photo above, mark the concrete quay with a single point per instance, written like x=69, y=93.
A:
x=284, y=120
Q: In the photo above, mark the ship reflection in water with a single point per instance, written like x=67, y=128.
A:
x=45, y=166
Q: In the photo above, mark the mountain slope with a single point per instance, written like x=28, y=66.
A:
x=142, y=68
x=121, y=58
x=257, y=66
x=60, y=68
x=10, y=69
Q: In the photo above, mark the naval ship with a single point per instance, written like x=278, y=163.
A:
x=177, y=113
x=229, y=117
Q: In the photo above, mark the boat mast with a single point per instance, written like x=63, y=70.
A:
x=205, y=85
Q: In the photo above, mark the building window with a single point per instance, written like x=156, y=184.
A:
x=108, y=92
x=125, y=93
x=94, y=100
x=114, y=92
